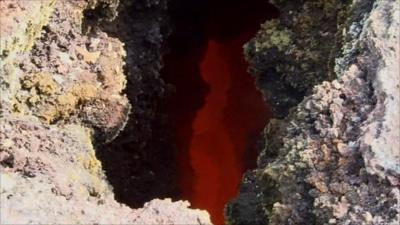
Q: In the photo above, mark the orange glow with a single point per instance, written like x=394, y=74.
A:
x=232, y=115
x=217, y=114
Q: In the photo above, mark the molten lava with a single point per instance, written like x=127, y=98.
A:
x=216, y=112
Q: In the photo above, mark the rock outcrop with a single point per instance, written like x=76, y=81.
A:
x=335, y=158
x=62, y=82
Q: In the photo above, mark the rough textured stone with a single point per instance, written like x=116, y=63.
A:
x=335, y=159
x=60, y=75
x=293, y=53
x=21, y=23
x=62, y=93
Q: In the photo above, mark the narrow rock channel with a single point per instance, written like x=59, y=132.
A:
x=216, y=111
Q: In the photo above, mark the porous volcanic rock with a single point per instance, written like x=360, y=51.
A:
x=293, y=53
x=62, y=80
x=335, y=159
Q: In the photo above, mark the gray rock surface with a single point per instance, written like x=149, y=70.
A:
x=335, y=158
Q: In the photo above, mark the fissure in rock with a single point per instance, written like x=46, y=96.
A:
x=215, y=110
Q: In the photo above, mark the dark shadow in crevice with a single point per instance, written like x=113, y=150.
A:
x=140, y=162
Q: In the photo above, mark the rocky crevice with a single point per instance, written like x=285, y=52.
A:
x=142, y=158
x=329, y=68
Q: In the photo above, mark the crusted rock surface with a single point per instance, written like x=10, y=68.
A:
x=62, y=81
x=335, y=158
x=293, y=53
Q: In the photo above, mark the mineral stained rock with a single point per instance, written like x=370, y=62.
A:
x=65, y=76
x=335, y=159
x=293, y=53
x=62, y=82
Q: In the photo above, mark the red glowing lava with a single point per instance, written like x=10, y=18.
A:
x=223, y=129
x=217, y=113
